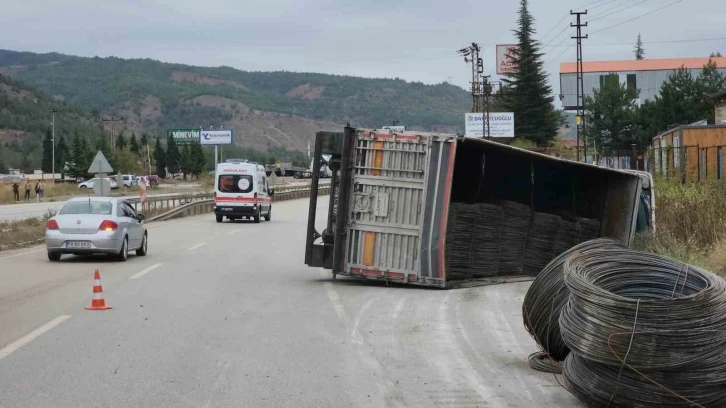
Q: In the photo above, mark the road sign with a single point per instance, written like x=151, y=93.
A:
x=183, y=136
x=216, y=137
x=278, y=164
x=100, y=164
x=501, y=124
x=101, y=187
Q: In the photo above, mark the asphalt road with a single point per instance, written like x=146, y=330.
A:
x=227, y=315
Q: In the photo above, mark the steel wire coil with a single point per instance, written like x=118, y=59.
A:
x=540, y=361
x=515, y=228
x=459, y=234
x=543, y=231
x=485, y=240
x=676, y=313
x=602, y=385
x=547, y=296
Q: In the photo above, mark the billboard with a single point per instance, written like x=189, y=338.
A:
x=183, y=136
x=394, y=128
x=501, y=124
x=216, y=137
x=505, y=54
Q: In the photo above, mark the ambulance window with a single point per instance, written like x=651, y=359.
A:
x=235, y=183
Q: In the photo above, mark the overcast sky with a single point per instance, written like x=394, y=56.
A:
x=408, y=39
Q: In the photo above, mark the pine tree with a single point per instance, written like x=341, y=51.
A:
x=611, y=112
x=144, y=140
x=120, y=141
x=527, y=93
x=716, y=54
x=172, y=156
x=680, y=99
x=197, y=158
x=134, y=145
x=103, y=145
x=160, y=158
x=47, y=162
x=61, y=155
x=639, y=51
x=710, y=81
x=185, y=161
x=78, y=163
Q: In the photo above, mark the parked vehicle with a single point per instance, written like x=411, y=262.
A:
x=241, y=191
x=96, y=225
x=153, y=180
x=89, y=183
x=129, y=180
x=406, y=207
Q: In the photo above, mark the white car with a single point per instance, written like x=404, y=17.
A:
x=130, y=180
x=89, y=183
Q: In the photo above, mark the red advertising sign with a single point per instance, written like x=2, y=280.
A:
x=505, y=59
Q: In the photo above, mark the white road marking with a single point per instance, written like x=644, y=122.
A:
x=334, y=298
x=234, y=232
x=145, y=271
x=22, y=253
x=199, y=245
x=10, y=348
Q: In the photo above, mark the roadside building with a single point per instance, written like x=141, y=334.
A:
x=646, y=75
x=690, y=153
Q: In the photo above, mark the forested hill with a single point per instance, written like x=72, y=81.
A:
x=156, y=95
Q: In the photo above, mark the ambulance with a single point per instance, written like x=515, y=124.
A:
x=241, y=191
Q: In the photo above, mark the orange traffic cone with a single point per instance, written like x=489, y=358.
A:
x=97, y=303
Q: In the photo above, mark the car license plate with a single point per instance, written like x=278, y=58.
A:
x=78, y=244
x=227, y=209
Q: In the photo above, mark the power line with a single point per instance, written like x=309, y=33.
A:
x=651, y=42
x=635, y=18
x=604, y=4
x=600, y=16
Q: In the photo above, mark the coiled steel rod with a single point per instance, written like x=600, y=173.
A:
x=548, y=295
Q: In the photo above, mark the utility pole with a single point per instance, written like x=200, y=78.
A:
x=471, y=55
x=53, y=112
x=487, y=88
x=113, y=130
x=580, y=82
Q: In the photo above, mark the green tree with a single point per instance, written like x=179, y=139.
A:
x=127, y=162
x=79, y=163
x=680, y=99
x=172, y=156
x=185, y=161
x=610, y=116
x=134, y=145
x=160, y=159
x=3, y=166
x=197, y=159
x=47, y=163
x=144, y=140
x=639, y=51
x=103, y=145
x=61, y=155
x=526, y=92
x=716, y=54
x=710, y=81
x=120, y=141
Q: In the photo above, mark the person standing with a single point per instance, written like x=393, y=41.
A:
x=27, y=190
x=16, y=191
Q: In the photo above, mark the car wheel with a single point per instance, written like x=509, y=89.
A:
x=257, y=216
x=143, y=249
x=268, y=216
x=298, y=175
x=219, y=218
x=82, y=187
x=54, y=256
x=123, y=255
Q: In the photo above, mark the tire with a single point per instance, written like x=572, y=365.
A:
x=298, y=175
x=54, y=256
x=123, y=255
x=257, y=216
x=144, y=248
x=83, y=187
x=219, y=218
x=268, y=216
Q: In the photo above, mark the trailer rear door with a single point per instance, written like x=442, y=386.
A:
x=398, y=205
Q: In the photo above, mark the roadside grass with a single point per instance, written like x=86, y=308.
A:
x=690, y=224
x=23, y=233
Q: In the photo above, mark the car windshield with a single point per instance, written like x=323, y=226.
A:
x=87, y=207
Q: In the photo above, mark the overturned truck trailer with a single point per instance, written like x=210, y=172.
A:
x=443, y=210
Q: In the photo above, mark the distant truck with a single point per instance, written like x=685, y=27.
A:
x=392, y=214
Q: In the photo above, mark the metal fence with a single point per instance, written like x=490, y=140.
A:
x=687, y=163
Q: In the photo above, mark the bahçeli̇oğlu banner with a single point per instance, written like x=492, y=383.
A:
x=501, y=124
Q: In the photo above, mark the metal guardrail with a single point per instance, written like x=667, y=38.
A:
x=206, y=205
